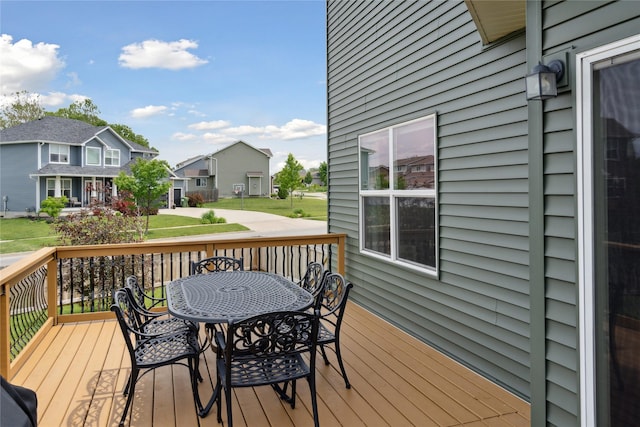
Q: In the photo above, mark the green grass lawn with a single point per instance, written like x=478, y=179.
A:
x=24, y=234
x=312, y=207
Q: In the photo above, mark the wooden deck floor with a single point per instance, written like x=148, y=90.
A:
x=79, y=371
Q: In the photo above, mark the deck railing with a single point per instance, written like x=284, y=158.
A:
x=75, y=283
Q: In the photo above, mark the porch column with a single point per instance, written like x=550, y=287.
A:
x=56, y=189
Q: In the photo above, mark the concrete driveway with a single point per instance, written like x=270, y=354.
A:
x=259, y=223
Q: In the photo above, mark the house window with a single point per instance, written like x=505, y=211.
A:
x=93, y=156
x=65, y=187
x=398, y=203
x=58, y=153
x=111, y=157
x=201, y=182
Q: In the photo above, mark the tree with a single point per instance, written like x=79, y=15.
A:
x=25, y=108
x=127, y=133
x=85, y=111
x=147, y=183
x=289, y=176
x=308, y=178
x=323, y=173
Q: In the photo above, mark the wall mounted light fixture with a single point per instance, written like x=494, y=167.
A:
x=542, y=83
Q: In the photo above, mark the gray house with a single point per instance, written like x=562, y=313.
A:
x=54, y=156
x=502, y=230
x=236, y=167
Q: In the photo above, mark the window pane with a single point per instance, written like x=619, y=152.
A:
x=112, y=158
x=416, y=230
x=413, y=154
x=374, y=161
x=377, y=231
x=93, y=156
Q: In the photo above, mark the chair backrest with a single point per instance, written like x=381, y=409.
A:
x=333, y=298
x=217, y=263
x=131, y=283
x=313, y=278
x=272, y=335
x=129, y=318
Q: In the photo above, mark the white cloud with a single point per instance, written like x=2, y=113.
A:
x=216, y=138
x=160, y=54
x=27, y=66
x=180, y=136
x=148, y=111
x=56, y=99
x=295, y=129
x=215, y=124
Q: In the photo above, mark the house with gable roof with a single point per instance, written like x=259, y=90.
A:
x=225, y=172
x=55, y=156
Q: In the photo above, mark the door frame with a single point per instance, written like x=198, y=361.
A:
x=585, y=231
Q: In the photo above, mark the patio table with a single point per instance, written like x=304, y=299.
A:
x=222, y=297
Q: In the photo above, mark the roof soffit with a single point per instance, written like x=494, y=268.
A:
x=497, y=18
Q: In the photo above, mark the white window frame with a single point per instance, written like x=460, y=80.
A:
x=59, y=150
x=586, y=238
x=112, y=153
x=199, y=182
x=63, y=181
x=394, y=195
x=99, y=156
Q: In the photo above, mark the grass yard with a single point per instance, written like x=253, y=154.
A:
x=306, y=206
x=24, y=234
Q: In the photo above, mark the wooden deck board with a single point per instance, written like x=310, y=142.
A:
x=79, y=371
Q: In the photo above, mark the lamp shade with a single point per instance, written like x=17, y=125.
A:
x=541, y=83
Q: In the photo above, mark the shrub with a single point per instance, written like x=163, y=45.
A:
x=211, y=218
x=196, y=200
x=125, y=204
x=108, y=226
x=283, y=193
x=52, y=206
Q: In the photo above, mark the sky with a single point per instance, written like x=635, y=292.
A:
x=190, y=76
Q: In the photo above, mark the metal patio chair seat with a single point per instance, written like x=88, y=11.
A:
x=153, y=322
x=150, y=351
x=217, y=263
x=331, y=304
x=267, y=349
x=313, y=277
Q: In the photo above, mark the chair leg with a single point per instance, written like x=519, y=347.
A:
x=227, y=395
x=314, y=400
x=131, y=388
x=194, y=374
x=324, y=354
x=347, y=384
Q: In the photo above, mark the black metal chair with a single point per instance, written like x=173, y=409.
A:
x=331, y=304
x=217, y=263
x=151, y=351
x=267, y=349
x=153, y=322
x=313, y=277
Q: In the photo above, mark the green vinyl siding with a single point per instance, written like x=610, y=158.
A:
x=391, y=62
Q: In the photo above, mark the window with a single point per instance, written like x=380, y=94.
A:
x=58, y=153
x=93, y=156
x=65, y=187
x=398, y=203
x=201, y=182
x=111, y=157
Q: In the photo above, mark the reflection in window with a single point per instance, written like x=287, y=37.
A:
x=58, y=153
x=399, y=221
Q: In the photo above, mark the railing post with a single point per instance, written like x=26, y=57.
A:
x=52, y=284
x=341, y=255
x=4, y=330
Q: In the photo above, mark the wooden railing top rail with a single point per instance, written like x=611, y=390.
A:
x=27, y=265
